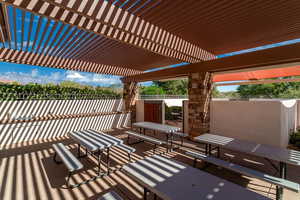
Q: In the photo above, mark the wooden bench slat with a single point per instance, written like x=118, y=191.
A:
x=144, y=137
x=71, y=162
x=246, y=171
x=112, y=195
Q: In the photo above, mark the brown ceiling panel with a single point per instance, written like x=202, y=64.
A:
x=114, y=53
x=228, y=25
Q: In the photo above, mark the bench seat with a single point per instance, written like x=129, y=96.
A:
x=180, y=134
x=246, y=171
x=69, y=160
x=145, y=138
x=112, y=195
x=127, y=149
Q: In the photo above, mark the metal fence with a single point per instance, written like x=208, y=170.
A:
x=49, y=96
x=163, y=97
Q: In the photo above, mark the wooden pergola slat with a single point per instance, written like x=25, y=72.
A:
x=70, y=13
x=22, y=57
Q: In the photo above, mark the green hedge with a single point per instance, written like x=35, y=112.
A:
x=50, y=91
x=295, y=139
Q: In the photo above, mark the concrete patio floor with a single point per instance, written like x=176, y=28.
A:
x=27, y=171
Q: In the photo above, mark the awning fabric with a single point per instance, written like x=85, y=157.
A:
x=258, y=74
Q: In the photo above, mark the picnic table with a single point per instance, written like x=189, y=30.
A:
x=95, y=143
x=170, y=179
x=282, y=155
x=162, y=128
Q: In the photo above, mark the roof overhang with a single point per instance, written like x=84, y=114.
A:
x=270, y=58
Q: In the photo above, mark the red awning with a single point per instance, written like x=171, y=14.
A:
x=258, y=74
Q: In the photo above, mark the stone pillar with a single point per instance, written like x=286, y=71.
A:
x=130, y=95
x=200, y=89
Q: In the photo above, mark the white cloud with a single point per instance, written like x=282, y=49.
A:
x=75, y=75
x=39, y=76
x=91, y=78
x=104, y=79
x=32, y=77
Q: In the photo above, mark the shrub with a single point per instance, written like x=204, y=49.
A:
x=295, y=138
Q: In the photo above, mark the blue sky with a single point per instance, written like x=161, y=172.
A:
x=34, y=74
x=26, y=73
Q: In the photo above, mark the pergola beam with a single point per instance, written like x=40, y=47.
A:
x=268, y=57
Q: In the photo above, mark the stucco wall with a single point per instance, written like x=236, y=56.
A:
x=26, y=131
x=262, y=121
x=266, y=122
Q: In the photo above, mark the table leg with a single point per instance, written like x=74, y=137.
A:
x=209, y=149
x=107, y=161
x=145, y=193
x=99, y=162
x=167, y=142
x=279, y=190
x=78, y=151
x=206, y=149
x=172, y=137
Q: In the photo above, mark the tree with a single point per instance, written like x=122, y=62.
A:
x=173, y=87
x=151, y=90
x=271, y=90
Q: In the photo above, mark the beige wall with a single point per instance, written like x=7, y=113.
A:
x=266, y=122
x=262, y=121
x=27, y=131
x=140, y=110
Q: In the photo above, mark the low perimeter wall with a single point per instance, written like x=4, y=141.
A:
x=41, y=119
x=262, y=121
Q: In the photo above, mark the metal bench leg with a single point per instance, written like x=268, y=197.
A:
x=68, y=179
x=195, y=162
x=206, y=149
x=218, y=149
x=129, y=157
x=154, y=148
x=128, y=139
x=54, y=159
x=181, y=141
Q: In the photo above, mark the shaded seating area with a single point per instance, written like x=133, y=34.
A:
x=279, y=182
x=39, y=166
x=204, y=42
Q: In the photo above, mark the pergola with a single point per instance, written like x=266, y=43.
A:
x=129, y=37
